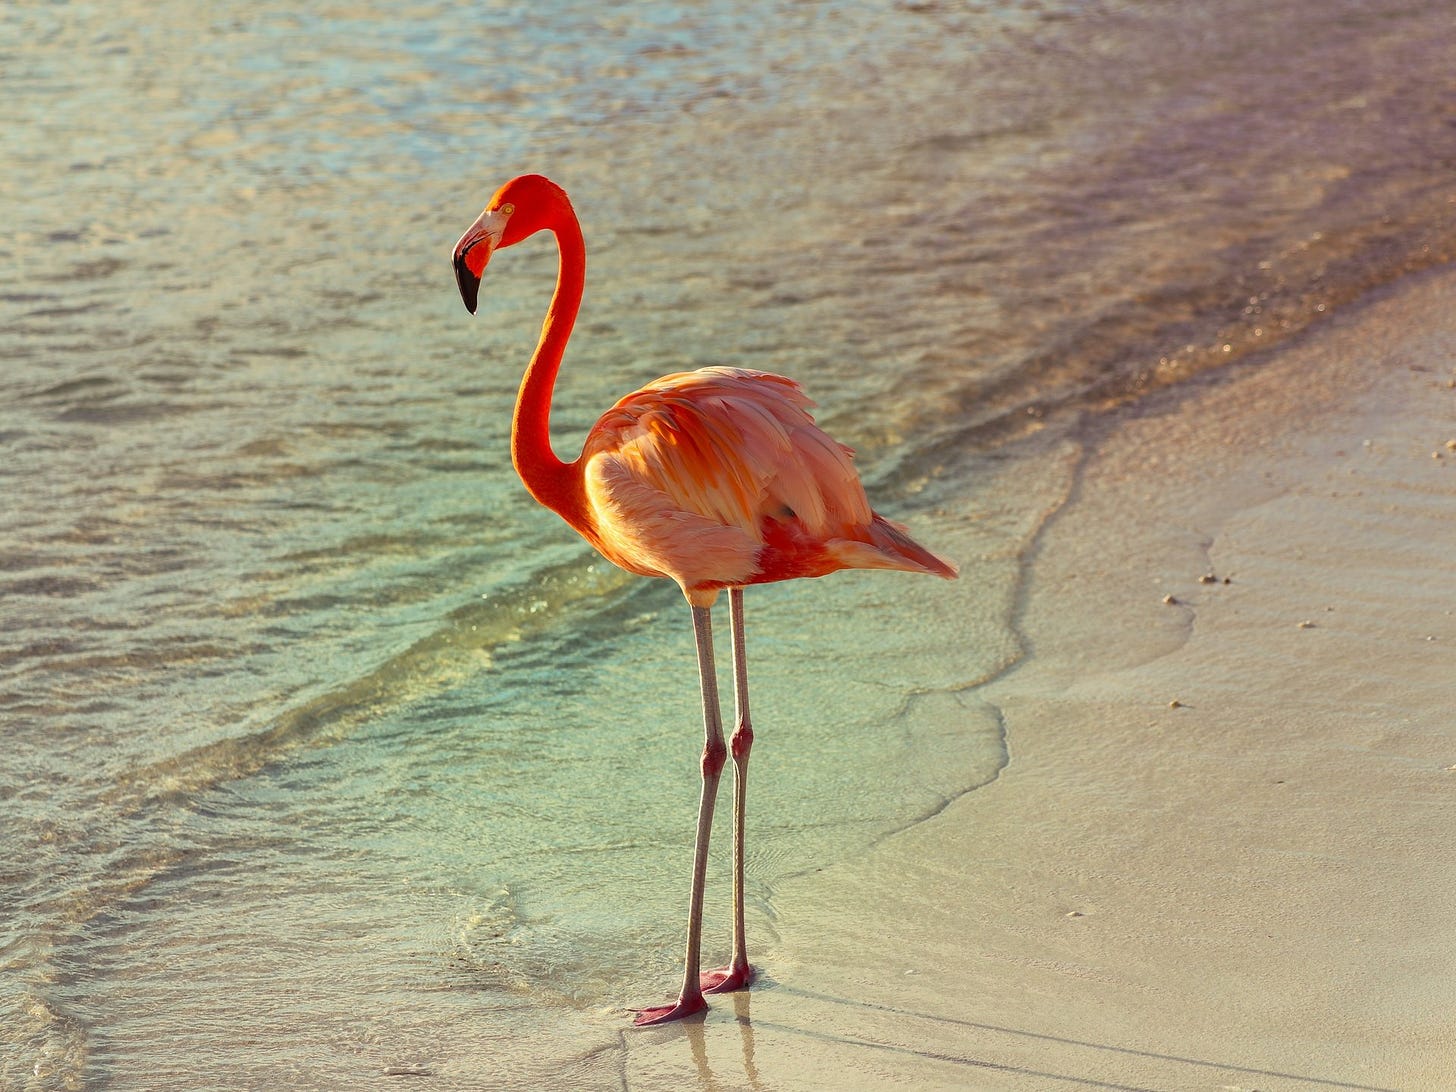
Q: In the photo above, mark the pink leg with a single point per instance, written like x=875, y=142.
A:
x=690, y=1000
x=738, y=973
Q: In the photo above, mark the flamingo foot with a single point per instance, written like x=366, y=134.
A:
x=663, y=1014
x=727, y=979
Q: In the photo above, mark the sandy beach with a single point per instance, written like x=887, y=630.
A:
x=1218, y=857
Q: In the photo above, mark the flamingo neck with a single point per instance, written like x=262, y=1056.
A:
x=555, y=484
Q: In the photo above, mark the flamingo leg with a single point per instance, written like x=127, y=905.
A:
x=715, y=752
x=738, y=973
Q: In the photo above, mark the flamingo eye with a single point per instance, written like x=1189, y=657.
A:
x=506, y=209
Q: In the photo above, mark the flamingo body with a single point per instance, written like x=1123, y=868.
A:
x=720, y=478
x=717, y=478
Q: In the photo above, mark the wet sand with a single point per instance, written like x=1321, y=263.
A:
x=1219, y=856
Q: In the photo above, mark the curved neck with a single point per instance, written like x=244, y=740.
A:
x=554, y=483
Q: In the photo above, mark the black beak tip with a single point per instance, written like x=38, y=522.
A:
x=469, y=284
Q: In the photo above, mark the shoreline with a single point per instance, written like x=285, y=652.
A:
x=1245, y=889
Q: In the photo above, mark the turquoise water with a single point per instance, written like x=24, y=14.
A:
x=326, y=754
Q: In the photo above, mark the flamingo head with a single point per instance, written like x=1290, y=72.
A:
x=520, y=208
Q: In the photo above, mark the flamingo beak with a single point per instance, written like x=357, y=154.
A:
x=473, y=251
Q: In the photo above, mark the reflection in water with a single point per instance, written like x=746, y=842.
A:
x=695, y=1032
x=741, y=1005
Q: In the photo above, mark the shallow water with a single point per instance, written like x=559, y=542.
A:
x=327, y=753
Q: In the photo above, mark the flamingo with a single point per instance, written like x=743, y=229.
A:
x=716, y=478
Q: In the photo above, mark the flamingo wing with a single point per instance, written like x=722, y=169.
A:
x=720, y=477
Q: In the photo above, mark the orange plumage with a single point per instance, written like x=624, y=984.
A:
x=720, y=478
